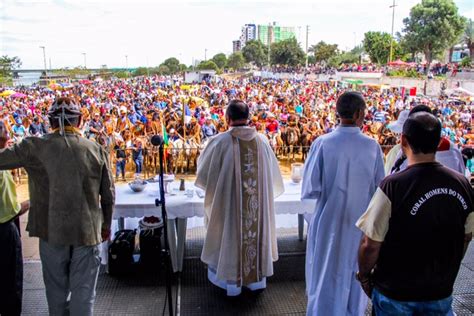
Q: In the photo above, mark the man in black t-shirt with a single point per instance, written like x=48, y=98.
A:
x=417, y=229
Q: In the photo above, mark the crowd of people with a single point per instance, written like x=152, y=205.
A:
x=122, y=114
x=416, y=223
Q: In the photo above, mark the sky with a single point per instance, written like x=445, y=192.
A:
x=149, y=31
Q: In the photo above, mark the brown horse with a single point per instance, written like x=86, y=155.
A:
x=292, y=140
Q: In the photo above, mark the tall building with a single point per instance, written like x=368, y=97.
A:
x=273, y=33
x=267, y=34
x=249, y=33
x=236, y=46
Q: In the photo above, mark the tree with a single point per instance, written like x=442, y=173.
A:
x=164, y=70
x=377, y=45
x=323, y=51
x=141, y=71
x=7, y=66
x=255, y=52
x=236, y=60
x=220, y=60
x=172, y=64
x=287, y=52
x=207, y=65
x=469, y=38
x=349, y=57
x=432, y=27
x=182, y=67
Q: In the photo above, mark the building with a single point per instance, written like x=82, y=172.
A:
x=236, y=46
x=249, y=33
x=267, y=34
x=273, y=33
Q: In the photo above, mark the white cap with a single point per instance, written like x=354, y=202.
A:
x=397, y=126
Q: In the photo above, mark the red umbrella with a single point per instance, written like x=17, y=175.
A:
x=85, y=81
x=398, y=62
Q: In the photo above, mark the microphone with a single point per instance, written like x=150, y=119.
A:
x=156, y=140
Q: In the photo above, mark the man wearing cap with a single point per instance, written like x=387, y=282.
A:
x=72, y=197
x=123, y=123
x=208, y=129
x=18, y=130
x=396, y=127
x=342, y=172
x=447, y=153
x=96, y=128
x=416, y=229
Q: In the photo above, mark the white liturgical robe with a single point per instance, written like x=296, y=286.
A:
x=342, y=172
x=241, y=177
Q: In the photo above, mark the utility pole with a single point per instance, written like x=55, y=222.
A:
x=205, y=54
x=126, y=64
x=391, y=39
x=50, y=68
x=307, y=33
x=147, y=68
x=44, y=57
x=85, y=59
x=269, y=43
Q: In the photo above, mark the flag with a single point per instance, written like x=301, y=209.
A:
x=165, y=134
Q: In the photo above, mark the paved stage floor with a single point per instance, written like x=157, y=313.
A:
x=144, y=294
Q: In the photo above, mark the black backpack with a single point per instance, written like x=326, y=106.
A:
x=150, y=248
x=121, y=252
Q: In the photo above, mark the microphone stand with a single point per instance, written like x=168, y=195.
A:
x=166, y=251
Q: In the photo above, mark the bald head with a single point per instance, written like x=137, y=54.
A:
x=423, y=132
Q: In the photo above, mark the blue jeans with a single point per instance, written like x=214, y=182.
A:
x=120, y=168
x=138, y=164
x=384, y=306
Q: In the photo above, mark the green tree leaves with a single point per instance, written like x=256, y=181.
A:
x=287, y=52
x=377, y=45
x=255, y=52
x=220, y=60
x=236, y=60
x=433, y=26
x=323, y=51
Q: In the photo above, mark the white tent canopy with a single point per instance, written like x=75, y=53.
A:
x=460, y=91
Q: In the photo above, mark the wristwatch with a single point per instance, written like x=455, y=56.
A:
x=360, y=279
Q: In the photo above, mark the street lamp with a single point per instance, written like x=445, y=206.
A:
x=126, y=64
x=391, y=39
x=85, y=64
x=44, y=57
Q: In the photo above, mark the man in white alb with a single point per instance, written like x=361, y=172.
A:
x=342, y=172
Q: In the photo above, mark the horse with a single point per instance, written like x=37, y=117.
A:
x=292, y=140
x=178, y=150
x=184, y=155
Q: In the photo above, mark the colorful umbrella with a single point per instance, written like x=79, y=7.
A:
x=398, y=62
x=66, y=85
x=7, y=93
x=18, y=95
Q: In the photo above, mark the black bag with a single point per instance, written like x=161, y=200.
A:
x=150, y=248
x=121, y=252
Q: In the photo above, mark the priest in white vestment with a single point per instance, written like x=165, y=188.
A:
x=241, y=178
x=342, y=172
